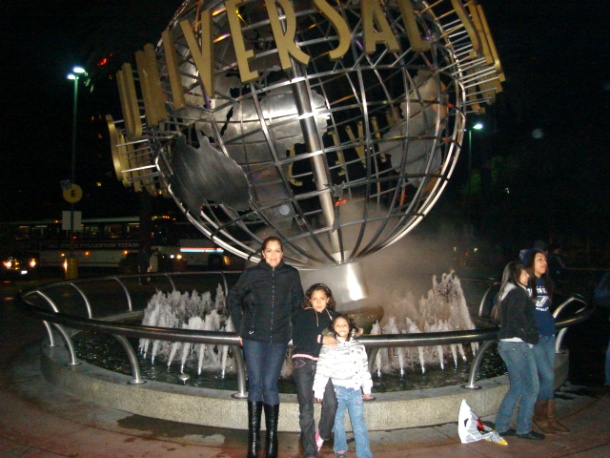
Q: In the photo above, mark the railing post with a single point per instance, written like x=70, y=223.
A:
x=557, y=312
x=240, y=369
x=133, y=360
x=476, y=362
x=85, y=299
x=69, y=345
x=484, y=298
x=126, y=291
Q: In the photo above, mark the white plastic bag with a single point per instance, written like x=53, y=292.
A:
x=472, y=429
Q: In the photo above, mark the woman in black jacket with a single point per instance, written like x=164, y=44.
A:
x=516, y=338
x=261, y=305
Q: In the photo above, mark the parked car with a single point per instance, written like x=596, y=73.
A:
x=20, y=264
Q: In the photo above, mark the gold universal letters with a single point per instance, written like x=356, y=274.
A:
x=173, y=72
x=129, y=103
x=242, y=54
x=284, y=40
x=372, y=15
x=340, y=26
x=151, y=86
x=375, y=28
x=203, y=57
x=408, y=18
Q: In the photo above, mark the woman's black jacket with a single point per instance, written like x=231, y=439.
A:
x=517, y=316
x=263, y=300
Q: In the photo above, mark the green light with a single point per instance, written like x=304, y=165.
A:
x=478, y=126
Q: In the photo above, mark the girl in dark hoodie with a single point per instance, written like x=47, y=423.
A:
x=308, y=325
x=516, y=339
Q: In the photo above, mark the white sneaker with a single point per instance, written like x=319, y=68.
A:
x=319, y=440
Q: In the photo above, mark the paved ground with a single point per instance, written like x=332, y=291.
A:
x=38, y=420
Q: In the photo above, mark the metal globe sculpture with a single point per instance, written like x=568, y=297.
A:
x=333, y=124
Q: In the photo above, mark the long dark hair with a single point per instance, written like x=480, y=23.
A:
x=529, y=267
x=511, y=274
x=319, y=287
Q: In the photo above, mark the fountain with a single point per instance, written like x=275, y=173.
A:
x=441, y=309
x=197, y=403
x=333, y=125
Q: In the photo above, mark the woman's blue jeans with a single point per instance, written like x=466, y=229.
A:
x=304, y=372
x=608, y=364
x=544, y=354
x=519, y=359
x=350, y=399
x=264, y=363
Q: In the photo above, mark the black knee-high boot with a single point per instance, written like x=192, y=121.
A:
x=255, y=410
x=271, y=416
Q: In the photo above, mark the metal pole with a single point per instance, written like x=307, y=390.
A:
x=73, y=162
x=469, y=174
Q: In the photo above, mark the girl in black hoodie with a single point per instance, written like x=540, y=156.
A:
x=308, y=325
x=516, y=338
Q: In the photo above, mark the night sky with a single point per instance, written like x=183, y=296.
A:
x=542, y=157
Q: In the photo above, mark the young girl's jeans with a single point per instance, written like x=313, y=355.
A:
x=350, y=399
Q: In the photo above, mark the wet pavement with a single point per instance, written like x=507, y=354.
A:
x=39, y=420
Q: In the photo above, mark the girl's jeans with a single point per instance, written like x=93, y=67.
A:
x=303, y=372
x=350, y=399
x=544, y=354
x=519, y=359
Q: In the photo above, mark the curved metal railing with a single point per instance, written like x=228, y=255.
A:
x=54, y=318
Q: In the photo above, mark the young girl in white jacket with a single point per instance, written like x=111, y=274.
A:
x=347, y=365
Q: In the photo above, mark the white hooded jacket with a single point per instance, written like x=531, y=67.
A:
x=346, y=364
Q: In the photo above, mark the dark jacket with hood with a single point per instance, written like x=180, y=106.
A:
x=263, y=300
x=308, y=326
x=517, y=315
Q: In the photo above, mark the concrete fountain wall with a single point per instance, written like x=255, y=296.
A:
x=217, y=408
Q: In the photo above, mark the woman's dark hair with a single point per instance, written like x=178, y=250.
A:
x=510, y=274
x=272, y=238
x=529, y=267
x=319, y=287
x=353, y=329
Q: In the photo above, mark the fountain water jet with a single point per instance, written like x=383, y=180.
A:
x=442, y=309
x=187, y=311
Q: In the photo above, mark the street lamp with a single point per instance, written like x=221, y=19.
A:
x=475, y=126
x=73, y=195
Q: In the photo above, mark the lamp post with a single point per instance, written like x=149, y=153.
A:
x=74, y=193
x=476, y=126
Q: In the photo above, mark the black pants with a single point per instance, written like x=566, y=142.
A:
x=303, y=372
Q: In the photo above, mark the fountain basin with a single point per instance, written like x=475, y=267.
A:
x=217, y=408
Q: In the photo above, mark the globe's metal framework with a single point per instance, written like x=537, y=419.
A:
x=340, y=158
